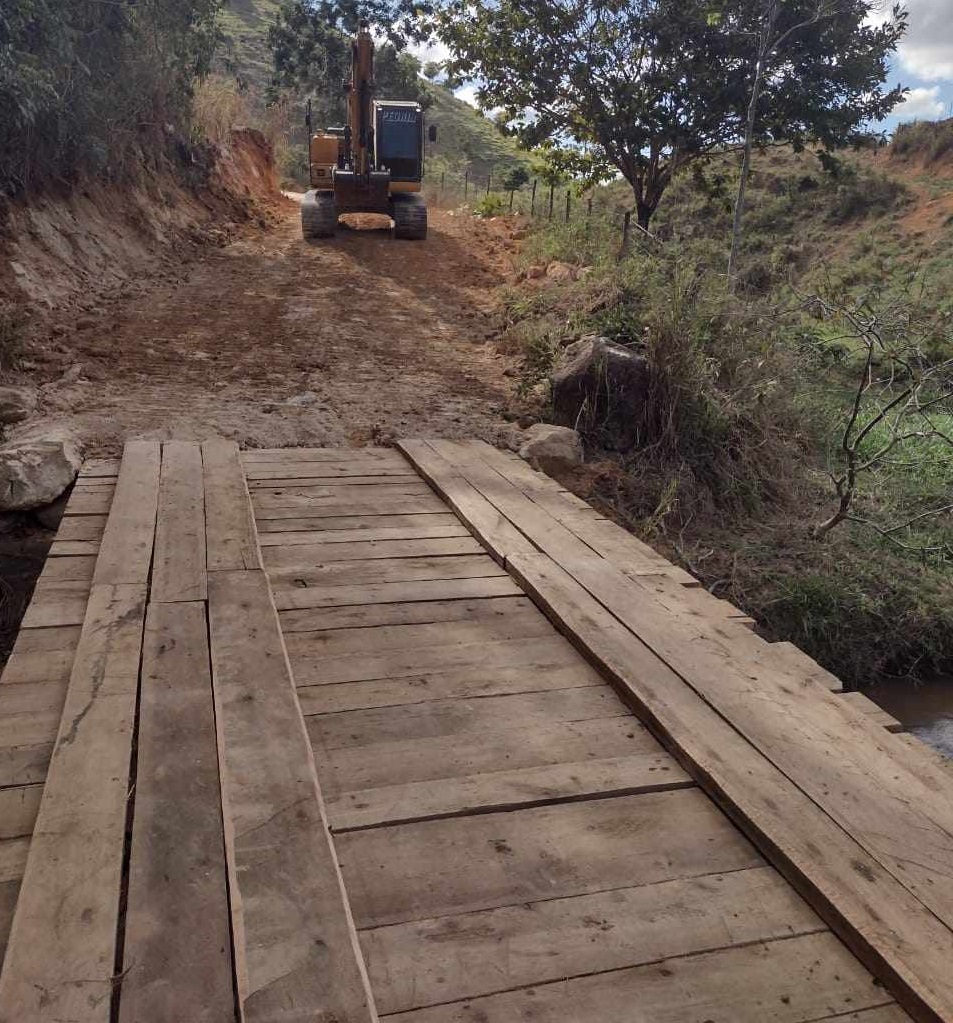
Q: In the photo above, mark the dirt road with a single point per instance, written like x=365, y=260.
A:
x=274, y=341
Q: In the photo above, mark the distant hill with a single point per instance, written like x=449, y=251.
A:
x=246, y=52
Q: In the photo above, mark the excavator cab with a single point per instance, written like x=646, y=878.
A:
x=374, y=164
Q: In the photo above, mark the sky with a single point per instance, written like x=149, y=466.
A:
x=924, y=62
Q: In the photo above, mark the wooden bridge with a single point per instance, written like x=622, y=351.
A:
x=326, y=736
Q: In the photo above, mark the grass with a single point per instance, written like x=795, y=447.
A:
x=733, y=478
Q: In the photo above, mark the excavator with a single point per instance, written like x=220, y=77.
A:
x=374, y=164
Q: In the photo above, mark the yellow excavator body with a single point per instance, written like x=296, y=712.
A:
x=374, y=164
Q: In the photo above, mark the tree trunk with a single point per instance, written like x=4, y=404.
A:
x=643, y=214
x=750, y=122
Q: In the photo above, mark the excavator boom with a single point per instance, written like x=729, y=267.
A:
x=372, y=165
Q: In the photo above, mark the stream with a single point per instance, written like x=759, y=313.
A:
x=924, y=708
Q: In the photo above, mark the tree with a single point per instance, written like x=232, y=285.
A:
x=775, y=31
x=515, y=179
x=313, y=54
x=647, y=87
x=433, y=69
x=897, y=426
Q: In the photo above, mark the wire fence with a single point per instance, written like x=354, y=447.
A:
x=487, y=193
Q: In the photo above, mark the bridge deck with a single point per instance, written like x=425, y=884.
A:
x=344, y=734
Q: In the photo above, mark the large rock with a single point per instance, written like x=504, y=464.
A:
x=551, y=448
x=16, y=404
x=34, y=473
x=600, y=388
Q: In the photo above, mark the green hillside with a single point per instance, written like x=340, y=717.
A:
x=246, y=52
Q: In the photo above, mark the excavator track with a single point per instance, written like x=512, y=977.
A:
x=319, y=215
x=410, y=217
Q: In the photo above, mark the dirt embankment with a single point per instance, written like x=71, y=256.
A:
x=67, y=254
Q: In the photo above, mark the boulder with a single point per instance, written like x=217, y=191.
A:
x=16, y=404
x=551, y=448
x=34, y=473
x=561, y=272
x=600, y=388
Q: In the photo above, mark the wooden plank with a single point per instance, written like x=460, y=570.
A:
x=533, y=655
x=484, y=521
x=13, y=856
x=413, y=871
x=78, y=569
x=625, y=551
x=298, y=507
x=311, y=555
x=800, y=980
x=306, y=496
x=468, y=683
x=64, y=548
x=506, y=790
x=326, y=536
x=24, y=765
x=442, y=718
x=332, y=522
x=38, y=666
x=29, y=729
x=797, y=660
x=880, y=920
x=81, y=527
x=457, y=716
x=9, y=890
x=293, y=476
x=347, y=456
x=230, y=528
x=877, y=714
x=18, y=809
x=90, y=502
x=31, y=698
x=419, y=612
x=56, y=604
x=177, y=961
x=520, y=623
x=296, y=951
x=428, y=962
x=495, y=583
x=62, y=950
x=126, y=553
x=508, y=747
x=178, y=571
x=386, y=570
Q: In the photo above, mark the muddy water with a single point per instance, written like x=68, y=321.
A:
x=925, y=708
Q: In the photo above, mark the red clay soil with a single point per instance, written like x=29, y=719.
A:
x=272, y=340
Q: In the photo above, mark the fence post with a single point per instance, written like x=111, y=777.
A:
x=552, y=199
x=532, y=205
x=626, y=223
x=589, y=208
x=489, y=182
x=568, y=203
x=443, y=178
x=466, y=185
x=512, y=193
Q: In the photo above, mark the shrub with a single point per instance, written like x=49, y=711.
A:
x=491, y=205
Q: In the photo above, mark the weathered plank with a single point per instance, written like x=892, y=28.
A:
x=803, y=979
x=507, y=747
x=345, y=456
x=296, y=952
x=418, y=612
x=126, y=553
x=880, y=919
x=295, y=477
x=231, y=539
x=299, y=507
x=325, y=536
x=61, y=955
x=18, y=809
x=428, y=962
x=177, y=962
x=867, y=706
x=506, y=790
x=178, y=571
x=495, y=583
x=385, y=570
x=536, y=654
x=65, y=548
x=307, y=556
x=520, y=623
x=413, y=871
x=370, y=521
x=466, y=683
x=24, y=765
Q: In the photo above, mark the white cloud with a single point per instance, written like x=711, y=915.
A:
x=426, y=52
x=924, y=102
x=927, y=48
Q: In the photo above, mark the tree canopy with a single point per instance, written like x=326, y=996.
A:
x=647, y=87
